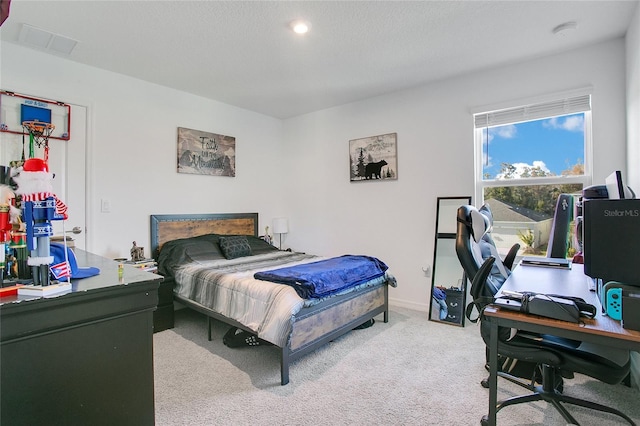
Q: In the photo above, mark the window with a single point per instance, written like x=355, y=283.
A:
x=527, y=156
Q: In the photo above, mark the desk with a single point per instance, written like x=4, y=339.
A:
x=84, y=357
x=602, y=329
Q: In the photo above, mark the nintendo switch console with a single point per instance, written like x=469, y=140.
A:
x=614, y=303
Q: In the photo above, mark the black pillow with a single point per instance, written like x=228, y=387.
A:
x=260, y=246
x=236, y=246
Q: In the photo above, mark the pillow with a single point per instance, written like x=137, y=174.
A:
x=499, y=272
x=186, y=250
x=482, y=223
x=201, y=251
x=235, y=246
x=260, y=246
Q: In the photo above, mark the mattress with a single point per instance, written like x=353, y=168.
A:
x=228, y=286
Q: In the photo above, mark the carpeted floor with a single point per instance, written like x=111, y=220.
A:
x=409, y=371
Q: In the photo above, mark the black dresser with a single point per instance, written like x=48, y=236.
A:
x=163, y=316
x=455, y=308
x=84, y=357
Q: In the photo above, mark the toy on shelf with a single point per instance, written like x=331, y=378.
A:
x=9, y=219
x=39, y=207
x=137, y=253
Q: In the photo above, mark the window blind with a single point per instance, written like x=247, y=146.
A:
x=533, y=112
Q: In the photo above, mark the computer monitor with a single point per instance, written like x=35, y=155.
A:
x=615, y=188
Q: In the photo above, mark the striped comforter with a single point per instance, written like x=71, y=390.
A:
x=229, y=288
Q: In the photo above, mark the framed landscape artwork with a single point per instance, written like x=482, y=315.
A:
x=374, y=158
x=205, y=153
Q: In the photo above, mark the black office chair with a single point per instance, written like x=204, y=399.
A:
x=554, y=356
x=485, y=248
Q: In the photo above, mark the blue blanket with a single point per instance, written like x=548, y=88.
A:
x=322, y=278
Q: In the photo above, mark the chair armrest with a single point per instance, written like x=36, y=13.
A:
x=511, y=256
x=479, y=279
x=479, y=302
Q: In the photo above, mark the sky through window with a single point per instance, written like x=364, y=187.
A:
x=554, y=144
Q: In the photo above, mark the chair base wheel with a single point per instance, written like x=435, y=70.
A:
x=485, y=383
x=484, y=421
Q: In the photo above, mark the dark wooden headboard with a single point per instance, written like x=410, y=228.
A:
x=167, y=227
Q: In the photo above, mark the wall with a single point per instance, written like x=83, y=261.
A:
x=633, y=101
x=132, y=148
x=633, y=134
x=298, y=167
x=395, y=220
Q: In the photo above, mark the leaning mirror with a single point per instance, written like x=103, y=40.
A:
x=448, y=286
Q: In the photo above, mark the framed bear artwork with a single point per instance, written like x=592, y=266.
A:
x=374, y=158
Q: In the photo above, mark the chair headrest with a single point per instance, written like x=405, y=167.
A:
x=478, y=222
x=486, y=210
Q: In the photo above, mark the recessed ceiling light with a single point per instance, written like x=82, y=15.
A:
x=571, y=25
x=300, y=26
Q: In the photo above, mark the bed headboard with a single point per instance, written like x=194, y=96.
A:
x=167, y=227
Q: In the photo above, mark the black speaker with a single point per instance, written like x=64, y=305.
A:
x=559, y=236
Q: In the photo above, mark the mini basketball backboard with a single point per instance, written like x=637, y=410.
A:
x=16, y=109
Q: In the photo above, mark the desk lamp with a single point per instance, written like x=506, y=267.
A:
x=280, y=226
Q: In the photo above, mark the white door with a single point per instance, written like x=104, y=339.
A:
x=67, y=160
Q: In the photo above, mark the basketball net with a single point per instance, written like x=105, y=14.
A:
x=39, y=133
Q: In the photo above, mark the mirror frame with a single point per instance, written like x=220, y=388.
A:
x=447, y=262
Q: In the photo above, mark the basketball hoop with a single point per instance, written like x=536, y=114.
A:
x=39, y=133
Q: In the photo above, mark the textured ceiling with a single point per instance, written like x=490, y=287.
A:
x=243, y=53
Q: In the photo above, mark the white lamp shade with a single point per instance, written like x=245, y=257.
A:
x=280, y=225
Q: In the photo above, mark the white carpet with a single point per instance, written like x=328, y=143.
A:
x=409, y=371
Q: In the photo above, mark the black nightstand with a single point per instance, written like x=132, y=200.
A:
x=163, y=315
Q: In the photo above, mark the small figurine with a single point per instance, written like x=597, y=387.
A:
x=267, y=237
x=137, y=253
x=5, y=227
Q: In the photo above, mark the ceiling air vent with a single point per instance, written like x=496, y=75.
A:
x=41, y=39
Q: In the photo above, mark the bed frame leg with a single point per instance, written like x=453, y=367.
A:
x=209, y=327
x=284, y=366
x=386, y=303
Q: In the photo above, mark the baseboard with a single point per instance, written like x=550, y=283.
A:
x=421, y=307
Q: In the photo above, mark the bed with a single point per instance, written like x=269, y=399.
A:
x=276, y=313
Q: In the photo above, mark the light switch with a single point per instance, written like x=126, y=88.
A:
x=105, y=206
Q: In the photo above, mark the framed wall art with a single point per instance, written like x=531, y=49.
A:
x=205, y=153
x=374, y=158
